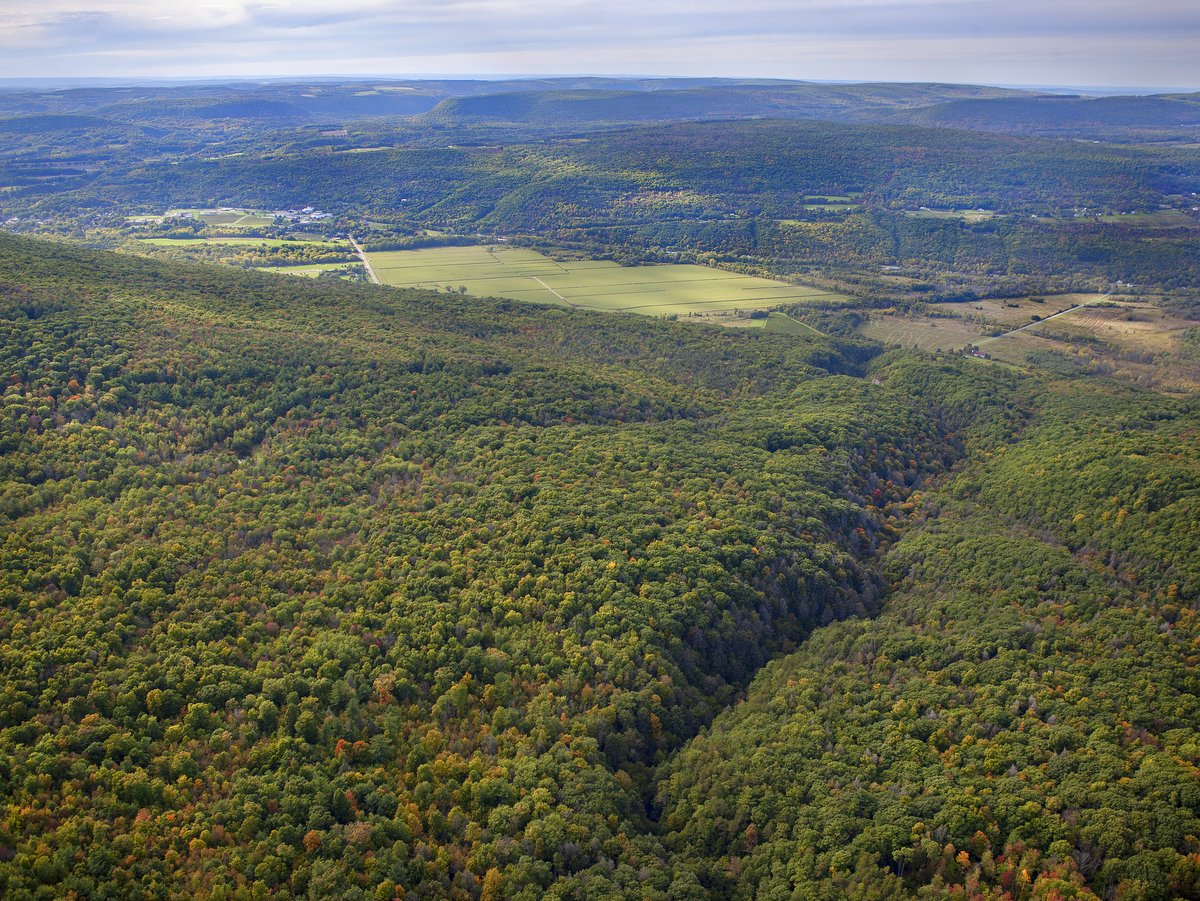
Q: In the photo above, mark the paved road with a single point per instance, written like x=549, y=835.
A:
x=362, y=255
x=1077, y=306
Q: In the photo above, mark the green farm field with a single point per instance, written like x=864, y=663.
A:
x=783, y=324
x=526, y=275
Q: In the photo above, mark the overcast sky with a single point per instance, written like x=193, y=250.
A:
x=1045, y=42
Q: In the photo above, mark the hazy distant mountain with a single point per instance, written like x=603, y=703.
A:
x=1051, y=115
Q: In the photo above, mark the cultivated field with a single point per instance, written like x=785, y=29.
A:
x=520, y=274
x=227, y=218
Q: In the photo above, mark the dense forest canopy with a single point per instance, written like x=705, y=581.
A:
x=329, y=590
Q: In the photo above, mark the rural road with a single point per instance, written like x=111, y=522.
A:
x=555, y=293
x=362, y=255
x=1077, y=306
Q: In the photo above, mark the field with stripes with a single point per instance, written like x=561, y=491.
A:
x=521, y=274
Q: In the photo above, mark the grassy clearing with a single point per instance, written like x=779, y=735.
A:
x=521, y=274
x=965, y=215
x=1157, y=219
x=311, y=270
x=1016, y=348
x=819, y=208
x=783, y=324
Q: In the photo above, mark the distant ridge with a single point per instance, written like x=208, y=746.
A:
x=1063, y=114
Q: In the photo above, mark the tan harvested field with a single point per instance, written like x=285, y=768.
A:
x=923, y=332
x=1128, y=326
x=1111, y=335
x=1132, y=328
x=1022, y=350
x=1143, y=348
x=1016, y=348
x=1012, y=312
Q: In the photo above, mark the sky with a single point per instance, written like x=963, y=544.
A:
x=1110, y=43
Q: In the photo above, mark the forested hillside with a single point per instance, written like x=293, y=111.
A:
x=749, y=168
x=629, y=101
x=331, y=590
x=334, y=591
x=1021, y=720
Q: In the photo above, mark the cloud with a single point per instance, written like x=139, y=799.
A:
x=910, y=39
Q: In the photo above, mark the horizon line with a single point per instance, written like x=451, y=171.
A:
x=183, y=80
